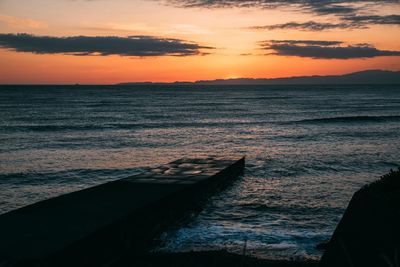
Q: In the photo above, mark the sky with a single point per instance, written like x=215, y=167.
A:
x=113, y=41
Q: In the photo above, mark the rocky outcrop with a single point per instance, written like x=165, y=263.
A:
x=369, y=231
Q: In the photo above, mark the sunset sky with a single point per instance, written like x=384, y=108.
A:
x=112, y=41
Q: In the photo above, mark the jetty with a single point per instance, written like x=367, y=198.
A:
x=99, y=225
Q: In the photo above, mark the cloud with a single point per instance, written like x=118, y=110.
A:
x=373, y=19
x=118, y=27
x=322, y=7
x=323, y=49
x=141, y=46
x=146, y=29
x=21, y=22
x=304, y=42
x=346, y=22
x=306, y=26
x=330, y=8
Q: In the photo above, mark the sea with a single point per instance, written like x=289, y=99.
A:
x=308, y=149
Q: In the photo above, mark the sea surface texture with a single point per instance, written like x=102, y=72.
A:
x=308, y=148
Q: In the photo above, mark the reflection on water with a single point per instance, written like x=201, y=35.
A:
x=308, y=149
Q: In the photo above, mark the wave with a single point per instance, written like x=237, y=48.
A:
x=302, y=210
x=51, y=128
x=74, y=176
x=126, y=126
x=348, y=119
x=262, y=97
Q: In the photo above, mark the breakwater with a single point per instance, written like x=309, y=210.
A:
x=98, y=225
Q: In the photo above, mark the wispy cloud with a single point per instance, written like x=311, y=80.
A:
x=322, y=7
x=303, y=42
x=146, y=29
x=323, y=49
x=332, y=8
x=306, y=26
x=140, y=46
x=373, y=19
x=119, y=27
x=17, y=22
x=346, y=22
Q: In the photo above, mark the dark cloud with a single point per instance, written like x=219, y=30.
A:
x=303, y=42
x=373, y=19
x=323, y=49
x=322, y=7
x=141, y=46
x=346, y=22
x=306, y=26
x=332, y=9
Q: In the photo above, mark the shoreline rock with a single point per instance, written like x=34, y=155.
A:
x=369, y=231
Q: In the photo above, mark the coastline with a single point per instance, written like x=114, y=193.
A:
x=301, y=174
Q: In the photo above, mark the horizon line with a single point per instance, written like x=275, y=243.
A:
x=198, y=82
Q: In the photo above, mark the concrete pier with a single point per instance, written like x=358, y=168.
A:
x=99, y=225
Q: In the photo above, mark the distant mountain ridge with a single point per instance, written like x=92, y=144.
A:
x=361, y=77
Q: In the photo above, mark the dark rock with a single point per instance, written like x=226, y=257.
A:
x=322, y=245
x=369, y=231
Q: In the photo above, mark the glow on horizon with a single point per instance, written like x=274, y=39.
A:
x=236, y=54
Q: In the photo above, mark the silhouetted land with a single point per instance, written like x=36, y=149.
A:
x=362, y=77
x=369, y=233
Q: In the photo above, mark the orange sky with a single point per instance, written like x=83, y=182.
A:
x=237, y=50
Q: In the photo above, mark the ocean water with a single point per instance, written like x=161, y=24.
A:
x=308, y=148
